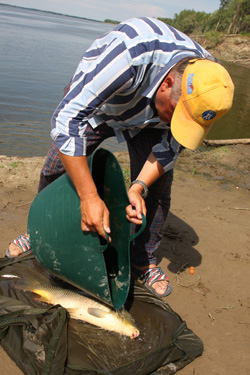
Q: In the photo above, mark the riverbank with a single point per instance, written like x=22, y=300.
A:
x=230, y=48
x=207, y=228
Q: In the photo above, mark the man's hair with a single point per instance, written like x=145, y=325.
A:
x=178, y=71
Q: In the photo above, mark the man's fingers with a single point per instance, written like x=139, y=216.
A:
x=95, y=217
x=134, y=220
x=135, y=211
x=87, y=228
x=106, y=224
x=101, y=229
x=103, y=232
x=131, y=211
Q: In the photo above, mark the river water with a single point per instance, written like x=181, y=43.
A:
x=39, y=52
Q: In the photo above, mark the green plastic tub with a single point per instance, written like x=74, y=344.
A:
x=85, y=259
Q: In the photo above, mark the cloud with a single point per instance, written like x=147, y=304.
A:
x=119, y=10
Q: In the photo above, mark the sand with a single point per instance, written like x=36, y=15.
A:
x=208, y=228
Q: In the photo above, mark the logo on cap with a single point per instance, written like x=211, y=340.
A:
x=208, y=115
x=190, y=87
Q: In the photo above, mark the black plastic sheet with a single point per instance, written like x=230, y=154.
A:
x=43, y=340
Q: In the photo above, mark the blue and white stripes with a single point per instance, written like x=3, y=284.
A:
x=116, y=80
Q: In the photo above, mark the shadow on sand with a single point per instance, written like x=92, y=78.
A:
x=177, y=245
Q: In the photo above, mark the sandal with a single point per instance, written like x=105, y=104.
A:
x=152, y=275
x=22, y=242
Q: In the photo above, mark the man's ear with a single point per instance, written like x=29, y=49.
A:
x=168, y=82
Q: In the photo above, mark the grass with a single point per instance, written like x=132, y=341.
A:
x=15, y=164
x=126, y=174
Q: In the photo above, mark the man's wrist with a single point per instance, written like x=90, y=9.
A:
x=144, y=192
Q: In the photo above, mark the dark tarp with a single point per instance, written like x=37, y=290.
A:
x=41, y=339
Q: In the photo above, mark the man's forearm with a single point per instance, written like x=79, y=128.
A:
x=78, y=169
x=151, y=171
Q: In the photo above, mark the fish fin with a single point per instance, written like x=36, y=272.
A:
x=40, y=298
x=124, y=314
x=98, y=313
x=33, y=285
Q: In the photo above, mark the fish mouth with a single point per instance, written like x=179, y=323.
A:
x=135, y=334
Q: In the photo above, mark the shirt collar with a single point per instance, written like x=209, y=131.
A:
x=150, y=91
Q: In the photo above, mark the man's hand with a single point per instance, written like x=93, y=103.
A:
x=137, y=205
x=150, y=173
x=95, y=215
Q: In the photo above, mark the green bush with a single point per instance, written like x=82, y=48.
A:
x=213, y=38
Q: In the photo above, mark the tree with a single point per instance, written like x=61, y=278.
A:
x=240, y=9
x=233, y=16
x=222, y=12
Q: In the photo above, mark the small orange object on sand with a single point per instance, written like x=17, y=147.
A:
x=191, y=270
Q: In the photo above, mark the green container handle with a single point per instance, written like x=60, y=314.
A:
x=143, y=226
x=102, y=248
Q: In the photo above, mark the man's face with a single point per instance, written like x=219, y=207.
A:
x=164, y=105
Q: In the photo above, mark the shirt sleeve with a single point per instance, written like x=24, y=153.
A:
x=167, y=151
x=96, y=80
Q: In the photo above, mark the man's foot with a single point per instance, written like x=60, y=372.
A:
x=18, y=246
x=154, y=279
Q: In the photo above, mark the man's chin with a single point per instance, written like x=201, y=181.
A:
x=165, y=119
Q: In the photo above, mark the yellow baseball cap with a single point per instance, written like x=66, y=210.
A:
x=206, y=95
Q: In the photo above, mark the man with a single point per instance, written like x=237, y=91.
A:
x=155, y=88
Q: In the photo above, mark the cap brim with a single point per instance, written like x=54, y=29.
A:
x=185, y=130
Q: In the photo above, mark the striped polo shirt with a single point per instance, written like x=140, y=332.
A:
x=115, y=83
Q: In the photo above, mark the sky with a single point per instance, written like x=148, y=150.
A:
x=117, y=10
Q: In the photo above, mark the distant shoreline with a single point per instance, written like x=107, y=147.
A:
x=51, y=12
x=231, y=48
